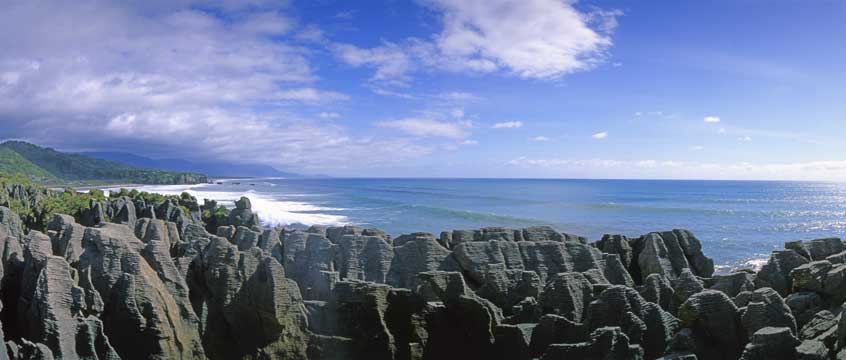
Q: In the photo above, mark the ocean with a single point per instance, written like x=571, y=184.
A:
x=738, y=222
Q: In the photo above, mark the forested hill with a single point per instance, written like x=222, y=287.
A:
x=48, y=166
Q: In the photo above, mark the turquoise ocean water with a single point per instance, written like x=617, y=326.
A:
x=739, y=222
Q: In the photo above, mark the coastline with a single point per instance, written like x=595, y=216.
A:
x=496, y=292
x=285, y=206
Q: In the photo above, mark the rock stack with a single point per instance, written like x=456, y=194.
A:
x=147, y=281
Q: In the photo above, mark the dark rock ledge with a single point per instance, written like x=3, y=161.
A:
x=155, y=284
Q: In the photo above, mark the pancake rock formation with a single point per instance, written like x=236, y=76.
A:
x=133, y=279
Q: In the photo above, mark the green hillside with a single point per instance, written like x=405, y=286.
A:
x=46, y=165
x=14, y=164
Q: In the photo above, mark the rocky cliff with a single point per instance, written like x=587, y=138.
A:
x=129, y=279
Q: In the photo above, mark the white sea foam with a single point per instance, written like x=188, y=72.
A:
x=755, y=264
x=271, y=211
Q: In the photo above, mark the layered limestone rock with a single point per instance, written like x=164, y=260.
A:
x=567, y=294
x=167, y=288
x=248, y=307
x=771, y=343
x=608, y=343
x=766, y=308
x=716, y=325
x=775, y=273
x=141, y=317
x=366, y=258
x=309, y=260
x=243, y=214
x=644, y=323
x=53, y=309
x=821, y=277
x=418, y=254
x=668, y=254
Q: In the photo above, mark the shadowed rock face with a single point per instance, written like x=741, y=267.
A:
x=165, y=288
x=142, y=318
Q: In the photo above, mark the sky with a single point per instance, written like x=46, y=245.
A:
x=723, y=89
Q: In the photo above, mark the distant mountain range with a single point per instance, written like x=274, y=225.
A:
x=45, y=165
x=212, y=168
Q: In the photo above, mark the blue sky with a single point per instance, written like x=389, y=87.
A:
x=455, y=88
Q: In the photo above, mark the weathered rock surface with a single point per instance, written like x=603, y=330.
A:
x=644, y=323
x=775, y=273
x=53, y=308
x=766, y=308
x=148, y=281
x=609, y=343
x=141, y=317
x=716, y=325
x=771, y=343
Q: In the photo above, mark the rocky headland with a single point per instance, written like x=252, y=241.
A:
x=128, y=277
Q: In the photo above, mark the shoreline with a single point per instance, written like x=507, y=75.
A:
x=294, y=213
x=483, y=291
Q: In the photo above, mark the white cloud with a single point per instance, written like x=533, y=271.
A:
x=168, y=79
x=329, y=115
x=424, y=127
x=745, y=139
x=697, y=148
x=470, y=142
x=712, y=119
x=540, y=138
x=458, y=96
x=488, y=36
x=600, y=136
x=391, y=61
x=507, y=125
